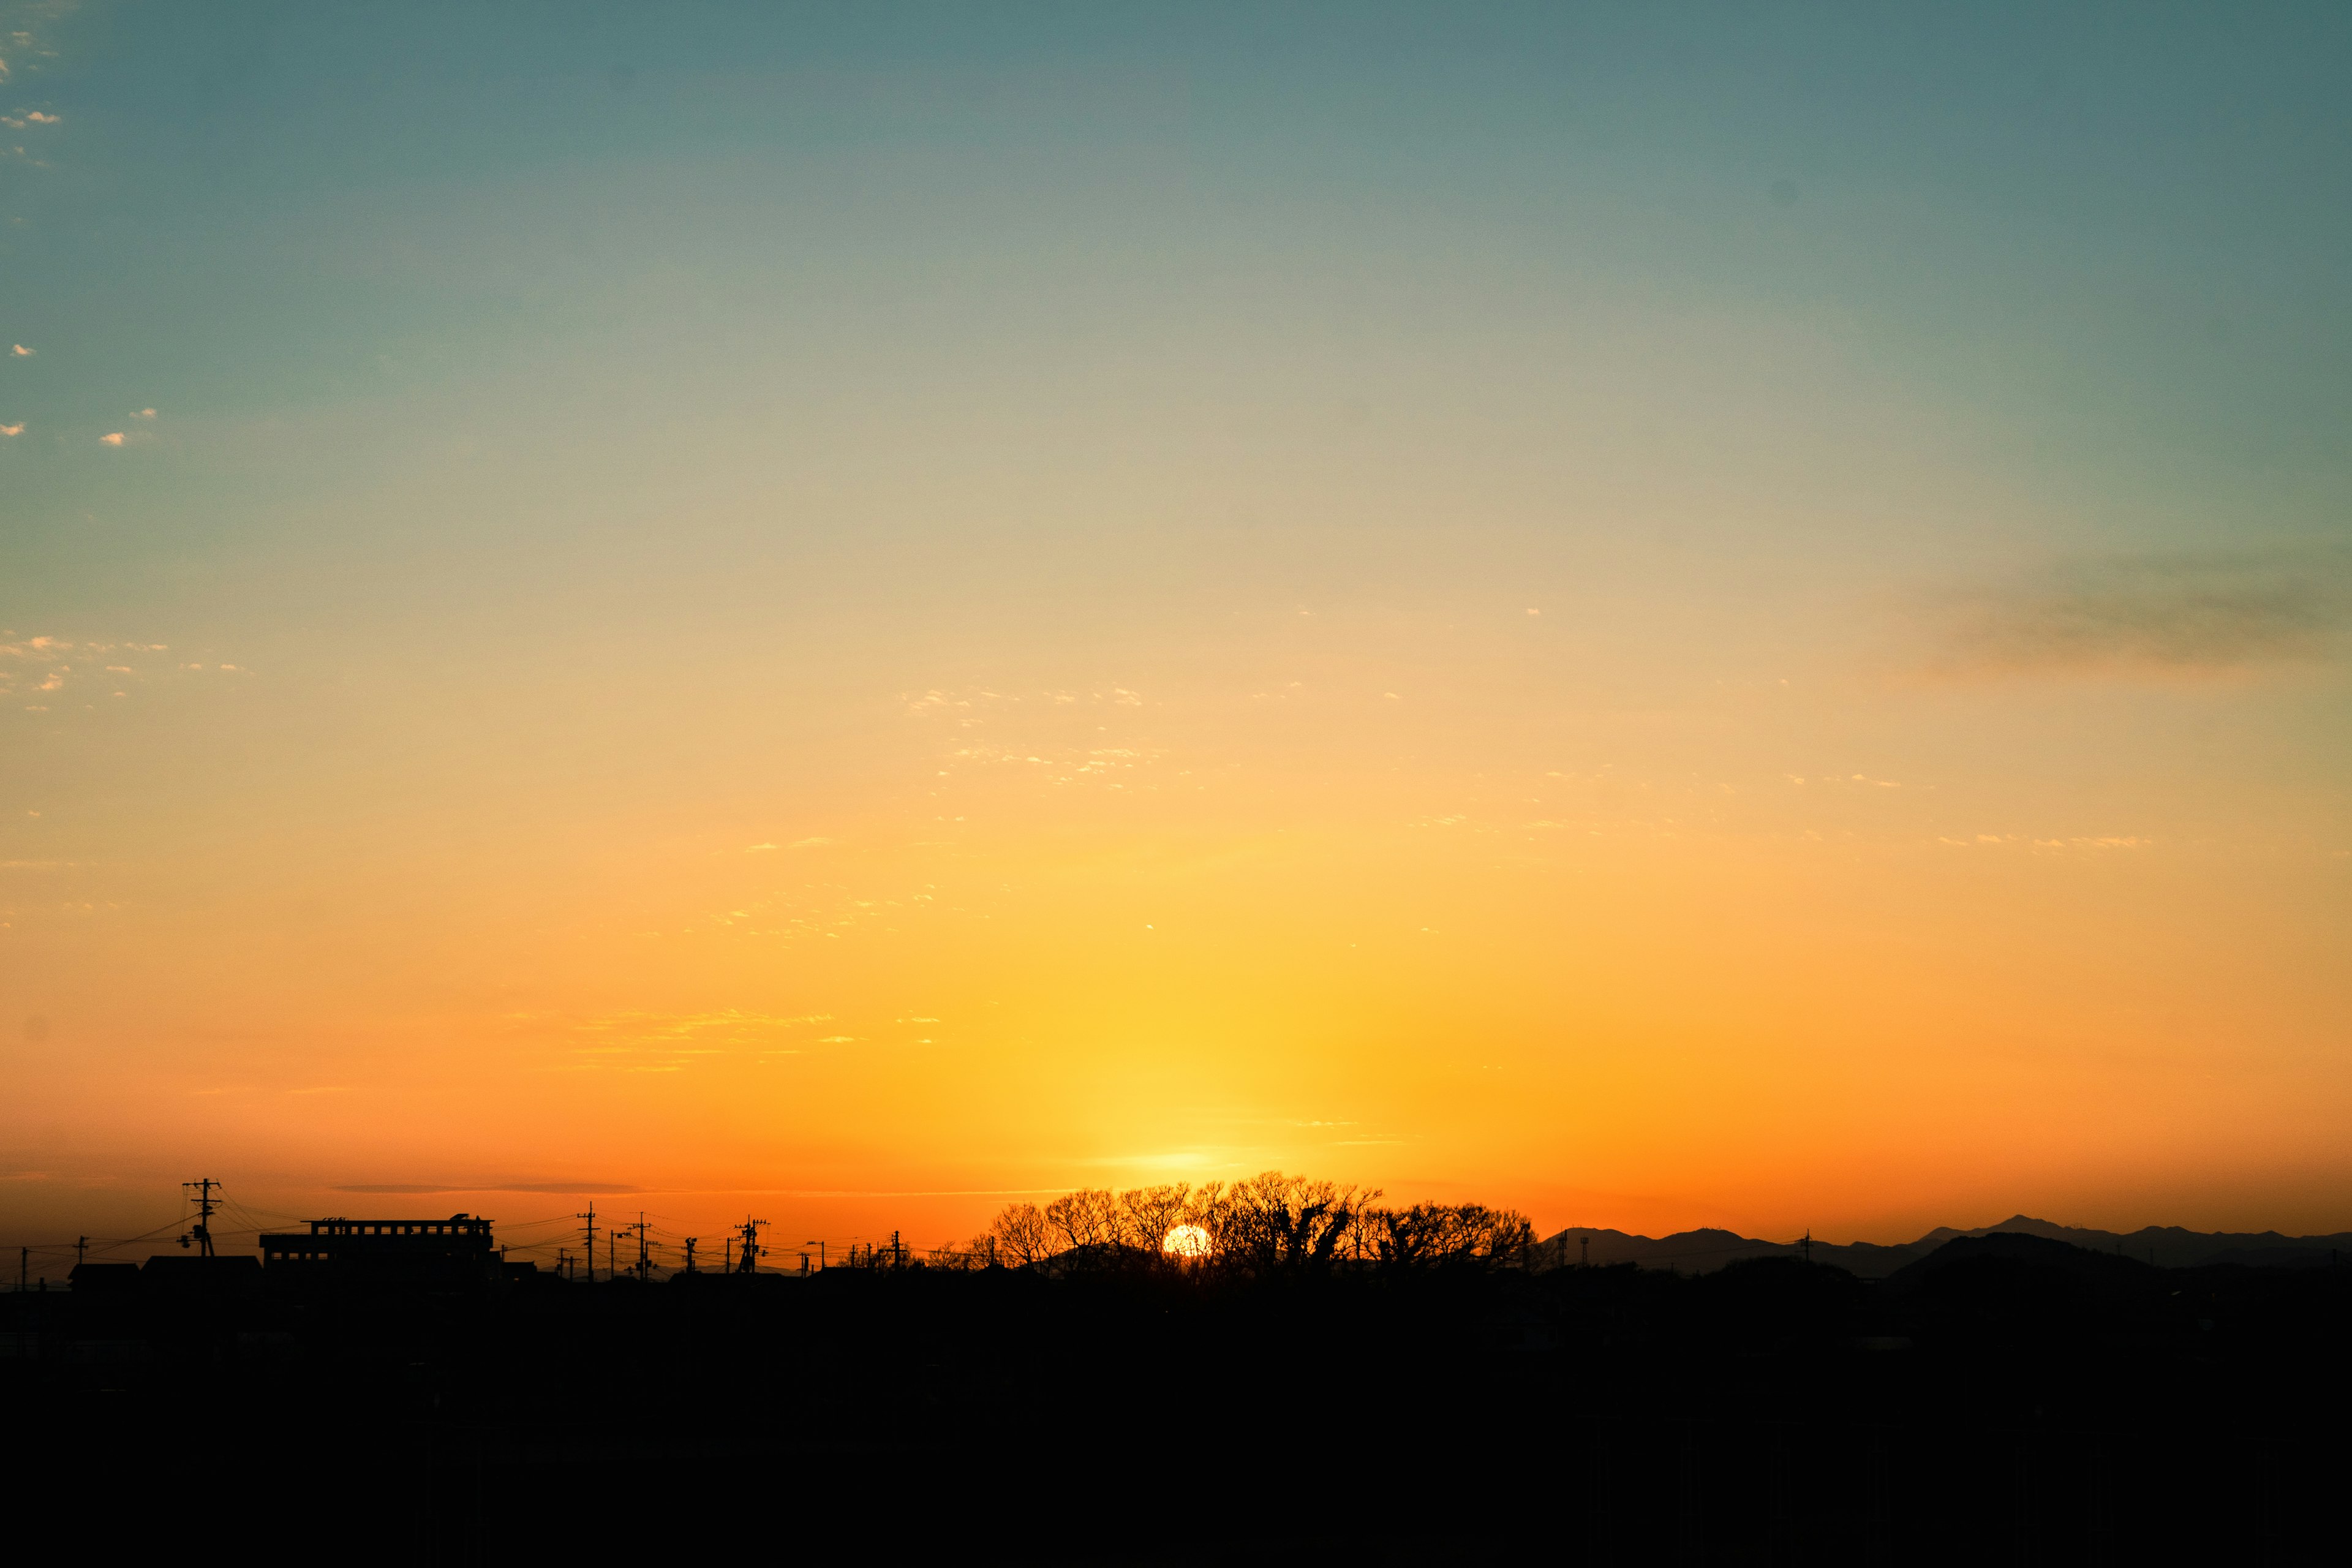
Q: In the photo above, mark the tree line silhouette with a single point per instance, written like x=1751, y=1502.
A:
x=1267, y=1224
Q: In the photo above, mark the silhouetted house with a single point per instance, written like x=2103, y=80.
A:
x=455, y=1253
x=104, y=1279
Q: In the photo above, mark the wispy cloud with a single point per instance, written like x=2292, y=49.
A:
x=668, y=1042
x=970, y=707
x=47, y=662
x=15, y=429
x=20, y=351
x=113, y=440
x=2176, y=616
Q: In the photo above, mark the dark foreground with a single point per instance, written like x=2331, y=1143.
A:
x=2011, y=1400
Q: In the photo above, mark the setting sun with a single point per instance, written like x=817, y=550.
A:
x=1186, y=1241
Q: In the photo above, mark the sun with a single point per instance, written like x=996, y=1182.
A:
x=1186, y=1241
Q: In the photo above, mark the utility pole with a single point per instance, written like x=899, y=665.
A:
x=81, y=1247
x=644, y=1269
x=689, y=1252
x=24, y=1266
x=202, y=1229
x=591, y=1217
x=819, y=1254
x=750, y=1262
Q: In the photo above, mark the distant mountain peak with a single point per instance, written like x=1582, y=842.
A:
x=1708, y=1248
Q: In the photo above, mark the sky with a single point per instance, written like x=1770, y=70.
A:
x=1666, y=616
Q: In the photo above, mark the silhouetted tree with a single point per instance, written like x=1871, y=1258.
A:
x=1272, y=1221
x=1267, y=1222
x=1146, y=1214
x=1428, y=1235
x=1022, y=1235
x=1088, y=1218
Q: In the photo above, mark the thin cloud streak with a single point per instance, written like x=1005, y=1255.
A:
x=556, y=1188
x=2177, y=617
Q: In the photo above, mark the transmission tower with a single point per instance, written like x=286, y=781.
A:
x=749, y=1261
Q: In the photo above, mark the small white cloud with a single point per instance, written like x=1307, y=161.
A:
x=1391, y=696
x=144, y=414
x=115, y=439
x=1534, y=612
x=757, y=848
x=809, y=842
x=20, y=351
x=37, y=118
x=15, y=429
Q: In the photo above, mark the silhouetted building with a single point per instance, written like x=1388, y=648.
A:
x=445, y=1253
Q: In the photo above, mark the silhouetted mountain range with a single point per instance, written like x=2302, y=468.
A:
x=2168, y=1247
